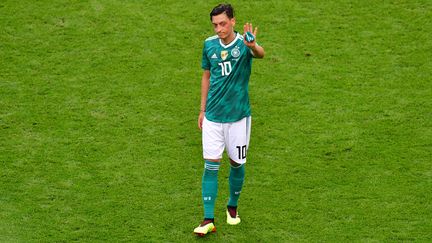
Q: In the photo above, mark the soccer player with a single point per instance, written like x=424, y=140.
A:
x=225, y=113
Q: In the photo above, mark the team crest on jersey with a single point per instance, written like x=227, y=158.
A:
x=235, y=52
x=224, y=55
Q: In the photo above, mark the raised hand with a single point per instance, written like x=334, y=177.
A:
x=248, y=28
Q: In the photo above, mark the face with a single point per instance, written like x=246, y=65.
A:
x=223, y=26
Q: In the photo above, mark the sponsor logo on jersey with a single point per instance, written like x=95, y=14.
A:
x=224, y=55
x=235, y=52
x=214, y=56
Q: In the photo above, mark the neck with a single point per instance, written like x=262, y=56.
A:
x=229, y=38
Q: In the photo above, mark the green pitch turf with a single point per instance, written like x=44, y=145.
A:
x=98, y=134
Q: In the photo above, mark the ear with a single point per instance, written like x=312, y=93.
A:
x=233, y=21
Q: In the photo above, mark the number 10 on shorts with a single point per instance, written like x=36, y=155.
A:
x=241, y=151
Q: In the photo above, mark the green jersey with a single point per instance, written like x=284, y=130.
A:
x=230, y=68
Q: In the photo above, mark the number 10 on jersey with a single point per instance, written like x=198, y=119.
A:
x=225, y=67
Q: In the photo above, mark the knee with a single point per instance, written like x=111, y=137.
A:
x=234, y=164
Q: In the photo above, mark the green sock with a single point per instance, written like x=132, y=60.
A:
x=210, y=187
x=236, y=178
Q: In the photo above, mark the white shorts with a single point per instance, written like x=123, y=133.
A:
x=233, y=136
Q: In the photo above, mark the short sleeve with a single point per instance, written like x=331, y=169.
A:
x=205, y=63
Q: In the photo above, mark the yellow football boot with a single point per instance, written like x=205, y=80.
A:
x=231, y=220
x=205, y=229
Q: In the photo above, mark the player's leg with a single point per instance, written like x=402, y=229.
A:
x=237, y=146
x=210, y=188
x=236, y=179
x=213, y=147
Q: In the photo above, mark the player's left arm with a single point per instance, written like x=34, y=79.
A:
x=257, y=50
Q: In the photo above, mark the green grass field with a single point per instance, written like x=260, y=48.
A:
x=98, y=134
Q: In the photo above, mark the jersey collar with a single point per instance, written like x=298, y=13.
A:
x=232, y=42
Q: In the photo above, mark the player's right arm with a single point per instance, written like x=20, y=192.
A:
x=205, y=84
